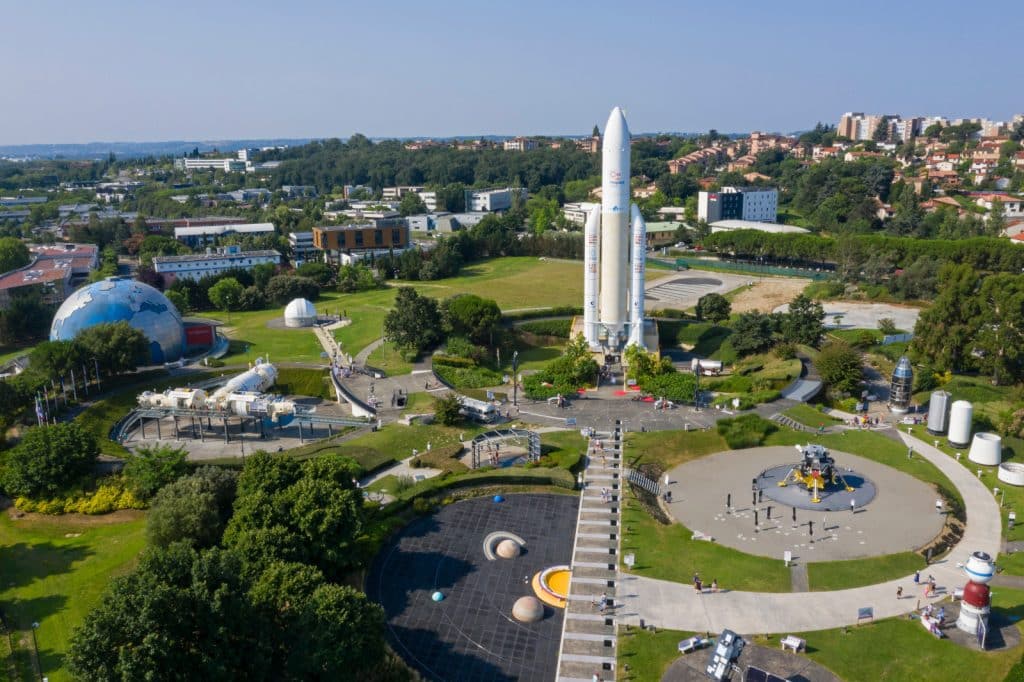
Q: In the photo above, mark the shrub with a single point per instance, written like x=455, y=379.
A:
x=745, y=431
x=677, y=387
x=785, y=350
x=421, y=505
x=469, y=377
x=557, y=328
x=453, y=360
x=108, y=497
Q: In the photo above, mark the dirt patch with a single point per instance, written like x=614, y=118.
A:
x=768, y=294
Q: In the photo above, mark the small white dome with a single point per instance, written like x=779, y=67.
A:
x=299, y=313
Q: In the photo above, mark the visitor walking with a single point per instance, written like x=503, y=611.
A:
x=917, y=577
x=899, y=592
x=714, y=584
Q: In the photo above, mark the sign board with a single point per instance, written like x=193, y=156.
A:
x=490, y=395
x=631, y=382
x=736, y=402
x=787, y=556
x=865, y=612
x=629, y=560
x=570, y=421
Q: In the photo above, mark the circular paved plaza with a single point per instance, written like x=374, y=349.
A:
x=471, y=634
x=901, y=517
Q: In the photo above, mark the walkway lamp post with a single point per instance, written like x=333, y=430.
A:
x=515, y=378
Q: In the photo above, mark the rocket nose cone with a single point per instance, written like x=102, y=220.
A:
x=616, y=125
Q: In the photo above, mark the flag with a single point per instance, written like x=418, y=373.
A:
x=40, y=416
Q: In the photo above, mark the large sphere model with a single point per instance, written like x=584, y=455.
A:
x=528, y=610
x=508, y=549
x=117, y=299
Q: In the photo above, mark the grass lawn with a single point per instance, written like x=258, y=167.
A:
x=387, y=358
x=54, y=570
x=667, y=552
x=301, y=381
x=395, y=442
x=562, y=449
x=809, y=416
x=824, y=576
x=254, y=338
x=671, y=448
x=535, y=357
x=703, y=338
x=366, y=310
x=419, y=403
x=648, y=654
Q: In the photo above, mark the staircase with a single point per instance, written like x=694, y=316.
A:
x=588, y=633
x=791, y=423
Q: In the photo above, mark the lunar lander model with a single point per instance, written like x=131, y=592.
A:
x=816, y=471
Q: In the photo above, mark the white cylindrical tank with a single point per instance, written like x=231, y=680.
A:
x=987, y=449
x=591, y=262
x=1012, y=473
x=938, y=412
x=638, y=256
x=299, y=313
x=258, y=380
x=960, y=416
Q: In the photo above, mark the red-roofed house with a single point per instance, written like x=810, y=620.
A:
x=57, y=269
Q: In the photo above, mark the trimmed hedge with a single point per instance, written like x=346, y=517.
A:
x=557, y=328
x=543, y=312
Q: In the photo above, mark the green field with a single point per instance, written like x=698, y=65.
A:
x=809, y=416
x=53, y=571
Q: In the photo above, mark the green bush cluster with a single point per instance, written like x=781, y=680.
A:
x=557, y=328
x=678, y=387
x=745, y=431
x=468, y=377
x=567, y=374
x=543, y=312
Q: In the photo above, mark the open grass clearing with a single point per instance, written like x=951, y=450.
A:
x=667, y=449
x=648, y=654
x=55, y=569
x=387, y=357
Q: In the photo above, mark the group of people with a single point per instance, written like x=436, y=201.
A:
x=698, y=585
x=929, y=586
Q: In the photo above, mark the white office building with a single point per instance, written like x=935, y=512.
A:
x=198, y=265
x=756, y=204
x=302, y=247
x=227, y=165
x=204, y=234
x=577, y=212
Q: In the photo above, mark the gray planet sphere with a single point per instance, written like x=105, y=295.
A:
x=122, y=298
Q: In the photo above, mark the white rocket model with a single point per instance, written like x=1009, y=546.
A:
x=613, y=302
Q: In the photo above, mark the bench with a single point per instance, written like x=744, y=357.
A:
x=794, y=643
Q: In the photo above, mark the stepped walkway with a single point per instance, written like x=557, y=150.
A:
x=588, y=631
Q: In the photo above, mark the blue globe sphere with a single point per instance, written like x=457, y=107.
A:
x=122, y=298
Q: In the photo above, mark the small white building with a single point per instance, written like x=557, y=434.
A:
x=491, y=200
x=205, y=234
x=198, y=265
x=299, y=313
x=577, y=212
x=1012, y=206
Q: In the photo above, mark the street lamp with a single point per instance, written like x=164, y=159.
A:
x=515, y=378
x=35, y=647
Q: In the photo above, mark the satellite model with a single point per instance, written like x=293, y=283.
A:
x=815, y=472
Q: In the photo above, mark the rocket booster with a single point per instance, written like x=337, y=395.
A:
x=615, y=203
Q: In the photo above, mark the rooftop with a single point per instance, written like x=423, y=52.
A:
x=754, y=225
x=264, y=253
x=221, y=229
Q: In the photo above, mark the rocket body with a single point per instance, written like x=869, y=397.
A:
x=615, y=204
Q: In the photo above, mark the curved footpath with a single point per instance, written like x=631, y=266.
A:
x=677, y=606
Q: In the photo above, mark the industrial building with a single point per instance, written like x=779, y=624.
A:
x=759, y=204
x=492, y=200
x=361, y=240
x=198, y=265
x=201, y=235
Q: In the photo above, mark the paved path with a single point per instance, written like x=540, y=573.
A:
x=588, y=632
x=675, y=605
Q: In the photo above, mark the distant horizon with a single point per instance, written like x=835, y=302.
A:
x=119, y=70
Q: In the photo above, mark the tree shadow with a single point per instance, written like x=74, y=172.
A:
x=23, y=563
x=398, y=574
x=20, y=614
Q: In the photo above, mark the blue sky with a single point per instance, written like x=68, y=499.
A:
x=106, y=70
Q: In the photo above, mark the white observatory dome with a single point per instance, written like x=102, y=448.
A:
x=299, y=313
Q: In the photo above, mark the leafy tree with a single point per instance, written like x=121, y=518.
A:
x=713, y=308
x=840, y=367
x=194, y=509
x=321, y=273
x=252, y=298
x=226, y=294
x=56, y=358
x=26, y=318
x=178, y=298
x=887, y=326
x=182, y=614
x=48, y=460
x=117, y=346
x=1001, y=338
x=805, y=321
x=152, y=467
x=943, y=332
x=411, y=204
x=472, y=316
x=13, y=254
x=752, y=333
x=447, y=409
x=996, y=222
x=281, y=289
x=415, y=322
x=262, y=274
x=357, y=277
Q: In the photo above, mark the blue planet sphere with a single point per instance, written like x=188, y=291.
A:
x=117, y=299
